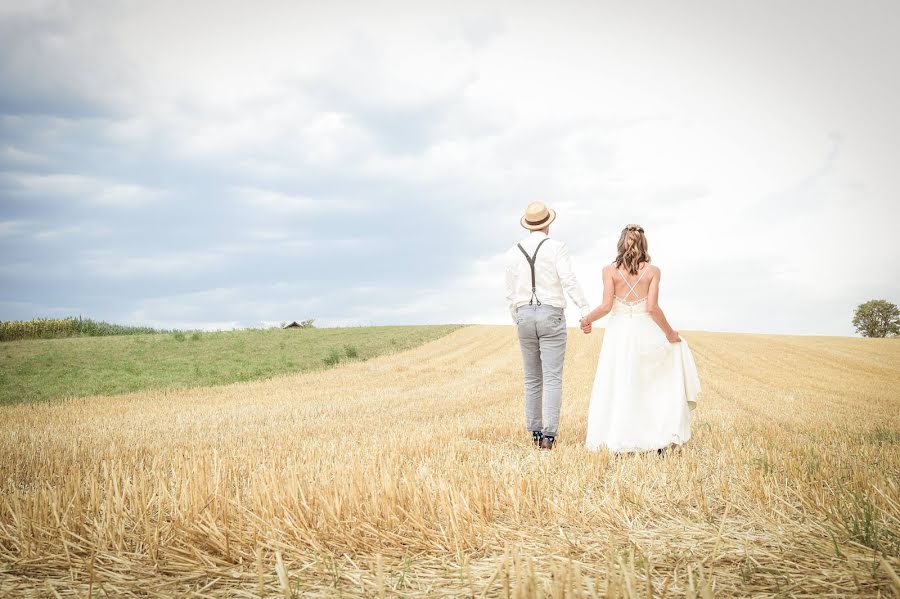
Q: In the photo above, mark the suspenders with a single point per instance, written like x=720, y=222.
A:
x=531, y=260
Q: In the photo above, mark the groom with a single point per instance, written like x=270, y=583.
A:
x=538, y=269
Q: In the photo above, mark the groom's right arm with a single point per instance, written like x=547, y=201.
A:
x=568, y=280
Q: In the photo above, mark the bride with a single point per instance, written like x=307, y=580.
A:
x=646, y=382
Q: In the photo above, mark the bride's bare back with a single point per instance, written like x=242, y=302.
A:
x=632, y=288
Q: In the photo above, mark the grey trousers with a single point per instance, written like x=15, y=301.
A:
x=542, y=337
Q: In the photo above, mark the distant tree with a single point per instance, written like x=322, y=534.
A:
x=877, y=318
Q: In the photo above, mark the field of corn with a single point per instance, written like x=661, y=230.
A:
x=411, y=475
x=53, y=328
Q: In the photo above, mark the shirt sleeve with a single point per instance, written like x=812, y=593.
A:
x=568, y=280
x=511, y=289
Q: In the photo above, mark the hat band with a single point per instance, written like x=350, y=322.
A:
x=538, y=222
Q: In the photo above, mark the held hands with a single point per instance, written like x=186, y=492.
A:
x=673, y=337
x=586, y=326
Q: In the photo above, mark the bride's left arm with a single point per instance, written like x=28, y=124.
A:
x=656, y=312
x=606, y=306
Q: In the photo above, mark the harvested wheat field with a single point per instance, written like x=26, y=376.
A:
x=411, y=475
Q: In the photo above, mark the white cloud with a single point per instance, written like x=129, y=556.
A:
x=222, y=307
x=273, y=202
x=268, y=235
x=11, y=228
x=109, y=264
x=765, y=175
x=276, y=201
x=69, y=232
x=473, y=296
x=80, y=188
x=15, y=155
x=331, y=138
x=38, y=309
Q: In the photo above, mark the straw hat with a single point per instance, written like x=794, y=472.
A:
x=537, y=216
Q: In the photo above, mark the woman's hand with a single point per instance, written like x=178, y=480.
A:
x=586, y=326
x=673, y=337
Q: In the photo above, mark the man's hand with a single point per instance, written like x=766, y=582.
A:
x=586, y=326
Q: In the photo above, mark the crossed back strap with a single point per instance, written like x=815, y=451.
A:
x=630, y=286
x=531, y=259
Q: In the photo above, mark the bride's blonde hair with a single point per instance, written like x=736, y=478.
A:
x=632, y=248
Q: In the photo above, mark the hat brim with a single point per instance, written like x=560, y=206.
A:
x=530, y=227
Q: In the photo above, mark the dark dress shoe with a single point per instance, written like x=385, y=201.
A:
x=547, y=442
x=536, y=437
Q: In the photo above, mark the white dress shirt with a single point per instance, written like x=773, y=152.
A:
x=552, y=272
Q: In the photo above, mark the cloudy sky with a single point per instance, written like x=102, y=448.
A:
x=220, y=164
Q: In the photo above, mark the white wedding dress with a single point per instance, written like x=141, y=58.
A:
x=645, y=387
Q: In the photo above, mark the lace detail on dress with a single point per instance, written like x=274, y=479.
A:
x=630, y=308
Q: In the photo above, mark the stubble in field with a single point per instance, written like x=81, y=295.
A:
x=412, y=475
